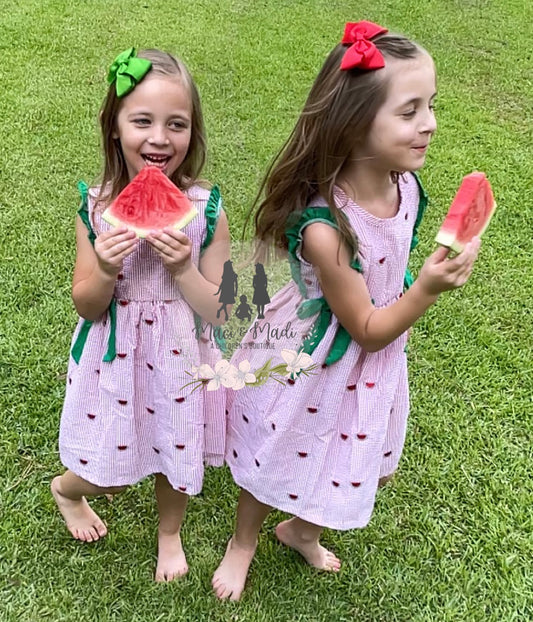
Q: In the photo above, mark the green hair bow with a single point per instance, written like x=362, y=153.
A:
x=127, y=71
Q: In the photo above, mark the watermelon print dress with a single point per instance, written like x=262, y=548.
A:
x=316, y=446
x=125, y=414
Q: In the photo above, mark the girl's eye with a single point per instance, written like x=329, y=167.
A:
x=178, y=125
x=141, y=121
x=409, y=114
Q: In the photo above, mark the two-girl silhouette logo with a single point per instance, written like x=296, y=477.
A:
x=229, y=287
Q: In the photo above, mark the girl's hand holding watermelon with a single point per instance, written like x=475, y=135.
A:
x=112, y=247
x=174, y=248
x=441, y=273
x=198, y=285
x=97, y=268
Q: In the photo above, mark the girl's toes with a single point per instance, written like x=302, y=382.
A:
x=101, y=530
x=333, y=563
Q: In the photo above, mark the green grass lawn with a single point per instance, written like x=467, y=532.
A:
x=452, y=538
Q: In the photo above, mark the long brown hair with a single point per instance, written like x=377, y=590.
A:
x=336, y=118
x=115, y=175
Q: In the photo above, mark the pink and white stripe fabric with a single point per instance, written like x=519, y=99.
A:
x=316, y=448
x=129, y=418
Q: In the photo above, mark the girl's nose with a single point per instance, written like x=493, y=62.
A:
x=158, y=136
x=429, y=124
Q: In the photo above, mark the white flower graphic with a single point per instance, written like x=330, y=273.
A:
x=243, y=375
x=223, y=374
x=204, y=371
x=295, y=362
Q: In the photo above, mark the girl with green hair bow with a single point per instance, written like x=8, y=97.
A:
x=139, y=300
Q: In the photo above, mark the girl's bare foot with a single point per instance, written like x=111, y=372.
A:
x=171, y=562
x=230, y=577
x=81, y=520
x=310, y=549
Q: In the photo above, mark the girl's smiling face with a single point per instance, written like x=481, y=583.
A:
x=403, y=126
x=154, y=125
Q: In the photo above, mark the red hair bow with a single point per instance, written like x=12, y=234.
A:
x=362, y=53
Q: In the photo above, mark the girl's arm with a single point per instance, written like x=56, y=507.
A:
x=96, y=269
x=199, y=286
x=348, y=297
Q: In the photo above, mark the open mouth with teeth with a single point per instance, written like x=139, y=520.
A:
x=153, y=159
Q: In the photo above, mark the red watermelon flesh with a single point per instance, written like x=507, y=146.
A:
x=469, y=214
x=150, y=202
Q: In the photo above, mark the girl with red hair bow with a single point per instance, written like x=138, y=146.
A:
x=342, y=199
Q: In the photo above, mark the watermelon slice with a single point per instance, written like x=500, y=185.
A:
x=469, y=213
x=150, y=202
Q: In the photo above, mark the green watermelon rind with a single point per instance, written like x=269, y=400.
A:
x=141, y=232
x=448, y=238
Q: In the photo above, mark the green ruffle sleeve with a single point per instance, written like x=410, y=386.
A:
x=311, y=306
x=423, y=201
x=212, y=214
x=320, y=306
x=79, y=344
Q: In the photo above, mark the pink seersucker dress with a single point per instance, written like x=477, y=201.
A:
x=316, y=446
x=126, y=418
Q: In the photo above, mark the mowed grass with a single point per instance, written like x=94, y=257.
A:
x=451, y=539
